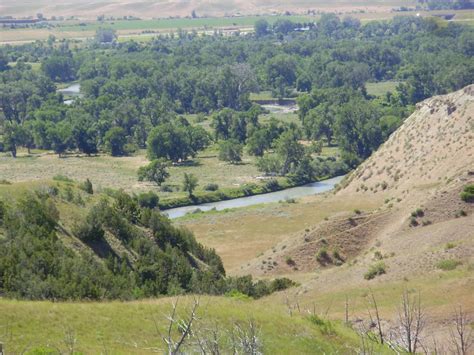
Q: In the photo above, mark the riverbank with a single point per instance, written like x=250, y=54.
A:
x=276, y=195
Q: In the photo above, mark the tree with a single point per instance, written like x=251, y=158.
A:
x=3, y=61
x=12, y=137
x=84, y=132
x=190, y=182
x=320, y=122
x=155, y=172
x=258, y=143
x=261, y=27
x=59, y=68
x=358, y=129
x=114, y=141
x=270, y=164
x=290, y=151
x=105, y=35
x=281, y=73
x=60, y=137
x=231, y=151
x=169, y=141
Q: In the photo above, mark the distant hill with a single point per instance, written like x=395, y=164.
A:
x=166, y=8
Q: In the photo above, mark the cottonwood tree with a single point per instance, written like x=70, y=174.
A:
x=190, y=182
x=155, y=172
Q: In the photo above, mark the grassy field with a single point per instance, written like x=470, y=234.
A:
x=129, y=328
x=381, y=88
x=121, y=172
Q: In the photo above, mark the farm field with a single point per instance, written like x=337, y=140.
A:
x=139, y=30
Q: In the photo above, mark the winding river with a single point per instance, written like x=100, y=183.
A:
x=291, y=193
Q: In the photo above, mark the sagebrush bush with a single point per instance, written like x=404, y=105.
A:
x=87, y=187
x=448, y=264
x=468, y=194
x=375, y=270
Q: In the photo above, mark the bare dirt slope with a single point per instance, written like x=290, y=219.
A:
x=166, y=8
x=419, y=172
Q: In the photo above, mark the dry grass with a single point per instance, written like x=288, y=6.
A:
x=129, y=328
x=121, y=172
x=241, y=235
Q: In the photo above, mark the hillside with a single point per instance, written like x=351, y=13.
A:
x=420, y=238
x=423, y=166
x=166, y=8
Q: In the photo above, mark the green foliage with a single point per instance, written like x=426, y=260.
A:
x=155, y=172
x=468, y=193
x=105, y=35
x=261, y=27
x=448, y=264
x=211, y=187
x=231, y=151
x=148, y=200
x=87, y=187
x=190, y=182
x=3, y=210
x=376, y=269
x=115, y=140
x=90, y=229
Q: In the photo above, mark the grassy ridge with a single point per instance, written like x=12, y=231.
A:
x=129, y=328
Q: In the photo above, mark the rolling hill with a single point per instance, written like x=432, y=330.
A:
x=166, y=8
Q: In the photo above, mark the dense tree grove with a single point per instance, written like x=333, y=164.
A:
x=158, y=259
x=134, y=94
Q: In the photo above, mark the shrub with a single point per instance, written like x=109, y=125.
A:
x=87, y=187
x=413, y=222
x=322, y=256
x=448, y=264
x=272, y=185
x=418, y=213
x=281, y=284
x=449, y=246
x=378, y=255
x=357, y=211
x=166, y=188
x=148, y=200
x=375, y=270
x=290, y=261
x=460, y=213
x=90, y=229
x=211, y=187
x=5, y=182
x=468, y=194
x=2, y=211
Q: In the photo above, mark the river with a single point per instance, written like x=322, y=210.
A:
x=291, y=193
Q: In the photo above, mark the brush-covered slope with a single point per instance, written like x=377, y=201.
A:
x=61, y=240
